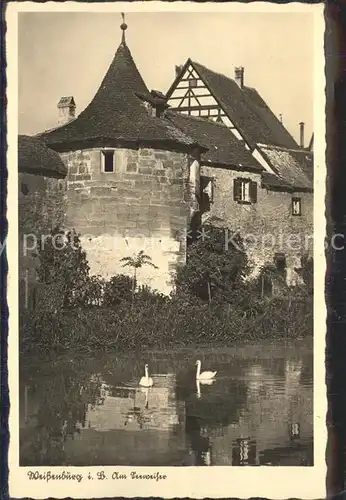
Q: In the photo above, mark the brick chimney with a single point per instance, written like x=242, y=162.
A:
x=67, y=110
x=178, y=70
x=301, y=127
x=239, y=76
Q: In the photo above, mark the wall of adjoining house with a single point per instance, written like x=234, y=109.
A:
x=144, y=204
x=267, y=224
x=41, y=208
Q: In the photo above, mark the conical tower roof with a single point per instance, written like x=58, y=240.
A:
x=118, y=113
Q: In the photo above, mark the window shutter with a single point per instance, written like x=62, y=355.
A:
x=102, y=162
x=237, y=189
x=253, y=191
x=203, y=182
x=211, y=190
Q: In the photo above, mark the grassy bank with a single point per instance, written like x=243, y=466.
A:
x=164, y=323
x=215, y=302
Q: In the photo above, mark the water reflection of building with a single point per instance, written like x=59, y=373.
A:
x=135, y=408
x=275, y=424
x=45, y=424
x=132, y=425
x=261, y=414
x=198, y=443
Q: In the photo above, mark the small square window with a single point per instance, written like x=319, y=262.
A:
x=193, y=82
x=108, y=161
x=296, y=206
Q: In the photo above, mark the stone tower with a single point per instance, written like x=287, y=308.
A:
x=132, y=175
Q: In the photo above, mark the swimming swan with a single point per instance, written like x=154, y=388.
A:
x=146, y=381
x=203, y=375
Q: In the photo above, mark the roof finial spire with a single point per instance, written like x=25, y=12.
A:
x=124, y=28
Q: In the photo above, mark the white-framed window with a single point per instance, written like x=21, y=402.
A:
x=107, y=160
x=296, y=206
x=245, y=191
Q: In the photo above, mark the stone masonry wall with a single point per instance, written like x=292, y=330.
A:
x=41, y=207
x=268, y=225
x=142, y=205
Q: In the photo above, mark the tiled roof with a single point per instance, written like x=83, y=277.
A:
x=117, y=113
x=273, y=181
x=34, y=157
x=223, y=147
x=246, y=109
x=306, y=162
x=294, y=167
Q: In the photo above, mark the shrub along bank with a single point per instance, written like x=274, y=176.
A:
x=159, y=325
x=213, y=303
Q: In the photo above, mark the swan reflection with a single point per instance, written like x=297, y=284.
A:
x=202, y=382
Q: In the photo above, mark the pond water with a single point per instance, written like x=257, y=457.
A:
x=91, y=411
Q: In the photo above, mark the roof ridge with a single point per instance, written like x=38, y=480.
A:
x=213, y=71
x=62, y=125
x=226, y=76
x=274, y=146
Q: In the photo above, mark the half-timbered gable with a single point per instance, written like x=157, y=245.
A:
x=200, y=91
x=191, y=94
x=254, y=177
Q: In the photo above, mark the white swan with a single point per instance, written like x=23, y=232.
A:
x=203, y=375
x=146, y=381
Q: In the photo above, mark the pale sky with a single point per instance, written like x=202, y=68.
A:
x=63, y=54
